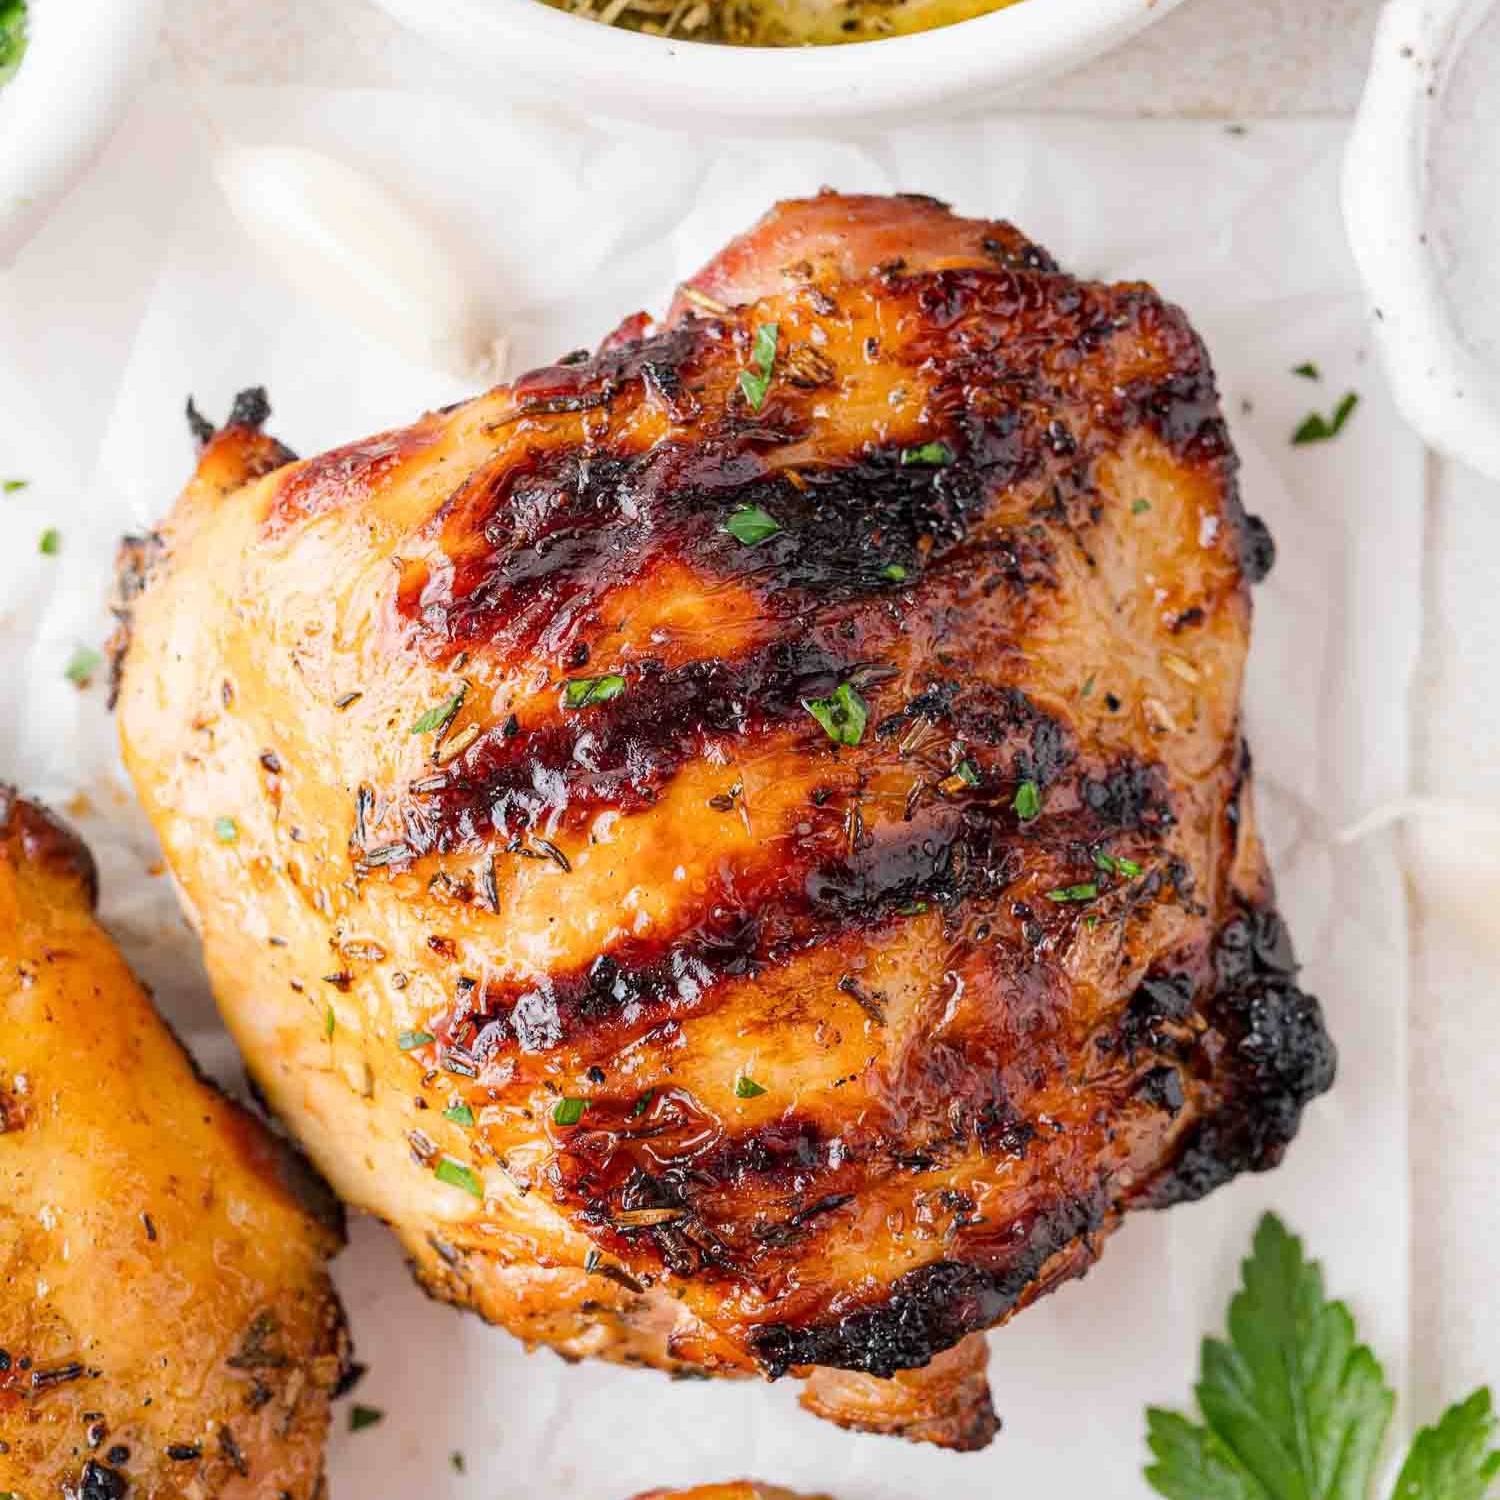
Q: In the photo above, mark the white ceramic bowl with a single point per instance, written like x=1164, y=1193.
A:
x=689, y=85
x=1421, y=186
x=82, y=61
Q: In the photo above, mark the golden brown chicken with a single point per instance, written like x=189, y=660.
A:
x=167, y=1328
x=740, y=1489
x=740, y=847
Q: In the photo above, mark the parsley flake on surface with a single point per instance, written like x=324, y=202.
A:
x=459, y=1113
x=456, y=1462
x=330, y=1023
x=569, y=1111
x=226, y=830
x=14, y=486
x=1307, y=370
x=456, y=1174
x=756, y=381
x=361, y=1417
x=746, y=1087
x=1314, y=428
x=1084, y=891
x=894, y=573
x=1295, y=1408
x=1114, y=865
x=82, y=665
x=927, y=455
x=1027, y=802
x=750, y=525
x=1139, y=507
x=582, y=692
x=409, y=1041
x=436, y=718
x=49, y=544
x=13, y=37
x=843, y=714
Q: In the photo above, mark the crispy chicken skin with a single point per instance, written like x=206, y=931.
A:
x=777, y=855
x=167, y=1328
x=740, y=1489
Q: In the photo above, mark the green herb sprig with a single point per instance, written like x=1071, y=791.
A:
x=756, y=381
x=1315, y=428
x=843, y=714
x=1295, y=1408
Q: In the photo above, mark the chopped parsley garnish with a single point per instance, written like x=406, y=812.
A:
x=751, y=525
x=1317, y=429
x=14, y=486
x=1088, y=686
x=409, y=1041
x=746, y=1087
x=456, y=1462
x=436, y=718
x=569, y=1111
x=1307, y=370
x=226, y=830
x=12, y=37
x=843, y=714
x=1085, y=891
x=894, y=572
x=82, y=665
x=642, y=1104
x=1112, y=864
x=581, y=692
x=456, y=1174
x=931, y=455
x=459, y=1113
x=49, y=544
x=911, y=909
x=756, y=381
x=361, y=1417
x=1293, y=1405
x=1139, y=507
x=1027, y=802
x=967, y=772
x=330, y=1023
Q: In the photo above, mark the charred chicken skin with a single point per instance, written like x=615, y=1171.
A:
x=743, y=848
x=167, y=1327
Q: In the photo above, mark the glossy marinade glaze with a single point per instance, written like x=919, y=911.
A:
x=167, y=1325
x=740, y=845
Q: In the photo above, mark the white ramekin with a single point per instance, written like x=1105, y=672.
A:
x=546, y=53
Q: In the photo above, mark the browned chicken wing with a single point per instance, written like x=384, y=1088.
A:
x=167, y=1328
x=740, y=846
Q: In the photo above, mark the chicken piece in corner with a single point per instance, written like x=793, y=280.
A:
x=765, y=804
x=168, y=1330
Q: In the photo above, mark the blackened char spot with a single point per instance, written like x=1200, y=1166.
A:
x=1257, y=549
x=1128, y=797
x=96, y=1481
x=1282, y=1059
x=930, y=1309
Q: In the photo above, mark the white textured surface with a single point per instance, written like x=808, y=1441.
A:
x=609, y=223
x=1211, y=57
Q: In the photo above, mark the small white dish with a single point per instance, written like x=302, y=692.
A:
x=81, y=63
x=600, y=69
x=1421, y=202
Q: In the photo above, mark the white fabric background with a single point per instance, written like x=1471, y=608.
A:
x=142, y=290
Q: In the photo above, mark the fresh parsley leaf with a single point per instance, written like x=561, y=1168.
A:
x=751, y=525
x=226, y=830
x=1114, y=865
x=843, y=714
x=456, y=1174
x=330, y=1023
x=1293, y=1407
x=929, y=455
x=1314, y=428
x=459, y=1113
x=582, y=692
x=14, y=486
x=1028, y=801
x=1453, y=1460
x=436, y=718
x=967, y=772
x=911, y=909
x=1139, y=507
x=756, y=381
x=49, y=544
x=409, y=1041
x=569, y=1111
x=12, y=37
x=82, y=665
x=1084, y=891
x=642, y=1104
x=1307, y=370
x=894, y=572
x=361, y=1417
x=746, y=1087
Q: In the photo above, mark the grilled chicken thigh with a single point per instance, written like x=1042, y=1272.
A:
x=167, y=1328
x=740, y=1489
x=739, y=846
